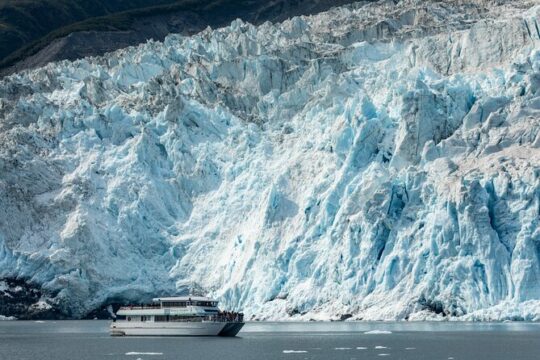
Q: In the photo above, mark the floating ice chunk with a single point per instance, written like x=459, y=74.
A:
x=294, y=351
x=410, y=348
x=39, y=321
x=143, y=353
x=361, y=348
x=380, y=347
x=384, y=354
x=377, y=332
x=342, y=348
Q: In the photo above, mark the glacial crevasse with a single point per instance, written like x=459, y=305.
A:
x=380, y=160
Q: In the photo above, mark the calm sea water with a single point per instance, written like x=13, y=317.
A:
x=71, y=340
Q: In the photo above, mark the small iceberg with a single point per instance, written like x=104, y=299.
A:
x=377, y=332
x=380, y=347
x=294, y=351
x=384, y=354
x=342, y=348
x=143, y=353
x=361, y=348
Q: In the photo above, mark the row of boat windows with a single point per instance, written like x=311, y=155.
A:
x=187, y=303
x=167, y=318
x=161, y=318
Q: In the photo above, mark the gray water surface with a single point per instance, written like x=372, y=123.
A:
x=70, y=340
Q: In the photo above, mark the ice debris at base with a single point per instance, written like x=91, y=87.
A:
x=377, y=332
x=7, y=318
x=378, y=160
x=40, y=305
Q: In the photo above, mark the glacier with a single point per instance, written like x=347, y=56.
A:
x=377, y=161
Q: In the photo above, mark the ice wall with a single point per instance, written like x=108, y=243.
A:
x=379, y=160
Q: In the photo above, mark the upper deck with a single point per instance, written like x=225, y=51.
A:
x=178, y=305
x=183, y=301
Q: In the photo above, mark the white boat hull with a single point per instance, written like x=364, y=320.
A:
x=125, y=328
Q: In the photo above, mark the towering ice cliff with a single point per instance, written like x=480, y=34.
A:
x=378, y=160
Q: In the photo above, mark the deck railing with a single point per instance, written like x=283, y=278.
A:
x=140, y=307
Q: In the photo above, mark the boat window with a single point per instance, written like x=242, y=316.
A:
x=167, y=304
x=203, y=303
x=180, y=318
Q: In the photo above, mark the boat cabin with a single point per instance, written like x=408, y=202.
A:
x=185, y=301
x=175, y=309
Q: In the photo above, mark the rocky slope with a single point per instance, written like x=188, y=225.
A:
x=377, y=161
x=69, y=32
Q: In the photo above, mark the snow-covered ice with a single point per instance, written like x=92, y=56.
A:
x=379, y=160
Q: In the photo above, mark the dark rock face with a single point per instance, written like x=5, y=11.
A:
x=105, y=312
x=24, y=301
x=81, y=44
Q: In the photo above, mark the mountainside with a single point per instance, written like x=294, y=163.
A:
x=376, y=161
x=22, y=21
x=34, y=33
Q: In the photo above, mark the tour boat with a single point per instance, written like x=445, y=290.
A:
x=177, y=316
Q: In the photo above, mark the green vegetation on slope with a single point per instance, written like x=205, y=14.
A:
x=24, y=21
x=28, y=26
